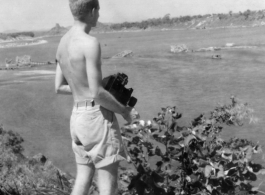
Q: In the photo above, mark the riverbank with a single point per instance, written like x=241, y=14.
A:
x=22, y=43
x=193, y=82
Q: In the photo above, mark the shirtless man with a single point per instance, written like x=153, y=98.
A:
x=96, y=139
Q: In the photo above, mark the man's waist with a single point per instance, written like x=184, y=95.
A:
x=85, y=103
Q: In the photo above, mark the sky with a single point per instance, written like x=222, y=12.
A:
x=25, y=15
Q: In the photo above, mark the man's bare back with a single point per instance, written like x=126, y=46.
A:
x=72, y=60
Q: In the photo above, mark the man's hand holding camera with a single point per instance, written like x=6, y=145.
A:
x=115, y=84
x=130, y=114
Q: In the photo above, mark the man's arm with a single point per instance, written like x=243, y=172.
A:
x=61, y=85
x=94, y=76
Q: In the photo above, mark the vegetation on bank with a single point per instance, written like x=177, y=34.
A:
x=6, y=36
x=20, y=175
x=168, y=21
x=173, y=160
x=169, y=159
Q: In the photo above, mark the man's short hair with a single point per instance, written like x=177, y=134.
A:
x=80, y=8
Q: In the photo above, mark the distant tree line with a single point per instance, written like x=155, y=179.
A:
x=153, y=22
x=5, y=36
x=168, y=21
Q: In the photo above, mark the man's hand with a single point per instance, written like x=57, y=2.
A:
x=130, y=114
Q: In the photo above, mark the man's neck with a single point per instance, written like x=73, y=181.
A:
x=82, y=26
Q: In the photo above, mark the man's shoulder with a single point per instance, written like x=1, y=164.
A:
x=79, y=38
x=79, y=43
x=63, y=41
x=88, y=41
x=88, y=45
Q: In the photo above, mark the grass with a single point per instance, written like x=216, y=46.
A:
x=193, y=82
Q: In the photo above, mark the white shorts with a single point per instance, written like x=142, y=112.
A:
x=96, y=136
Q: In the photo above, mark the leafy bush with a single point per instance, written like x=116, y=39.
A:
x=10, y=140
x=169, y=159
x=172, y=159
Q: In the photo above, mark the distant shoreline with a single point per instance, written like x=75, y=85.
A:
x=34, y=41
x=21, y=43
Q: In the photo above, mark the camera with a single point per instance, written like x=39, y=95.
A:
x=115, y=84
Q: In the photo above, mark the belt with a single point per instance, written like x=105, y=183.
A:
x=85, y=103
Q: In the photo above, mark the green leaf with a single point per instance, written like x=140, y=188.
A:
x=140, y=169
x=138, y=184
x=221, y=171
x=249, y=153
x=188, y=139
x=156, y=177
x=173, y=177
x=207, y=171
x=158, y=151
x=261, y=172
x=164, y=109
x=250, y=176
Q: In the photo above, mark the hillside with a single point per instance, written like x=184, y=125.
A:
x=229, y=20
x=247, y=18
x=21, y=175
x=57, y=30
x=242, y=19
x=60, y=30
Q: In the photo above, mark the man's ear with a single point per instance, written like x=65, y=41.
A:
x=93, y=11
x=89, y=16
